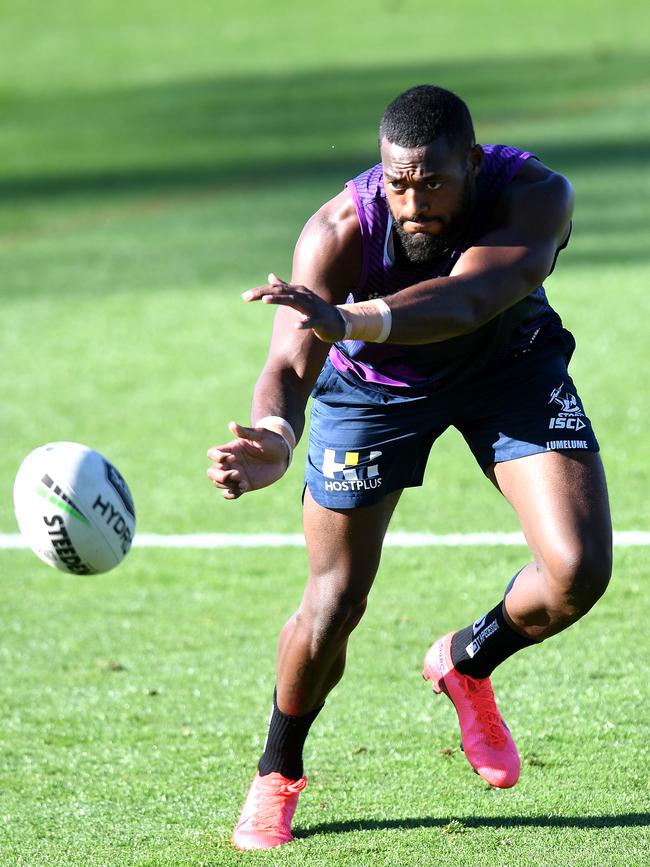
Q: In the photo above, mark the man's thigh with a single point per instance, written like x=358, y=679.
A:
x=344, y=545
x=561, y=501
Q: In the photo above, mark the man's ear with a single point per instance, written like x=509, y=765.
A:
x=475, y=160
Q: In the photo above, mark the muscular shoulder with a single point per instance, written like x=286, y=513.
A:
x=328, y=254
x=537, y=196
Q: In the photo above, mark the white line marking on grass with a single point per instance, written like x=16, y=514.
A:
x=221, y=540
x=295, y=540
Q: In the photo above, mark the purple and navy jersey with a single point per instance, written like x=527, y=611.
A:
x=530, y=321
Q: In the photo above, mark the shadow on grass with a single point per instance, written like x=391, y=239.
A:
x=294, y=168
x=156, y=147
x=274, y=129
x=457, y=824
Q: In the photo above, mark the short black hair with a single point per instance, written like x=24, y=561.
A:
x=424, y=113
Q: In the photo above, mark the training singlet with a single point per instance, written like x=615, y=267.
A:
x=530, y=322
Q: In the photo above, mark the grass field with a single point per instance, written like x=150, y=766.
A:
x=154, y=162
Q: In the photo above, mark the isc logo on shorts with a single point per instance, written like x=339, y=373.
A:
x=355, y=472
x=569, y=416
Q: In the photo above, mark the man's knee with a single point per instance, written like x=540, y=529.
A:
x=578, y=574
x=332, y=611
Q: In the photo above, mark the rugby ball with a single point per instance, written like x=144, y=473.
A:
x=74, y=509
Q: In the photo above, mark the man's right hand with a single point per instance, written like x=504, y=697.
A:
x=256, y=458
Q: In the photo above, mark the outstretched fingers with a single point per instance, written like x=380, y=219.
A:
x=298, y=297
x=323, y=318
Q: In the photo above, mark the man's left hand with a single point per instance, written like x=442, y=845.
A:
x=324, y=319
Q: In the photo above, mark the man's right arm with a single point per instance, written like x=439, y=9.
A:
x=328, y=259
x=328, y=254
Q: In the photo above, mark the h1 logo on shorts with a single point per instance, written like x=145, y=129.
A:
x=356, y=472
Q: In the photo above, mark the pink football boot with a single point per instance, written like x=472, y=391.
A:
x=266, y=816
x=485, y=738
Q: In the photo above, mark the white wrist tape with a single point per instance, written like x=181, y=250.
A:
x=367, y=320
x=280, y=426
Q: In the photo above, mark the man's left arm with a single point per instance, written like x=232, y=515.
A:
x=502, y=268
x=505, y=266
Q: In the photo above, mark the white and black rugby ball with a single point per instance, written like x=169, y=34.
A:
x=74, y=509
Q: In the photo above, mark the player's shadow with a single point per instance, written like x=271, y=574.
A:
x=464, y=822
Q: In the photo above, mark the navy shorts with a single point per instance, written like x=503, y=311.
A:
x=365, y=443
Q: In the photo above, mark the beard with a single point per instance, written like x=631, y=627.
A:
x=420, y=249
x=423, y=249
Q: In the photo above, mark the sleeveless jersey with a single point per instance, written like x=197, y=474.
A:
x=528, y=323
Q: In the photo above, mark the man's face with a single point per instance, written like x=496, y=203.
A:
x=430, y=192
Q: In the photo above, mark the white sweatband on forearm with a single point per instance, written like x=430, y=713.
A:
x=367, y=320
x=282, y=427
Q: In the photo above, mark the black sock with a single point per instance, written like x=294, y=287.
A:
x=285, y=741
x=486, y=643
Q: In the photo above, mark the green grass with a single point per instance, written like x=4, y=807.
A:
x=134, y=709
x=155, y=161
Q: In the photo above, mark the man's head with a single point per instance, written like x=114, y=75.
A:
x=430, y=162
